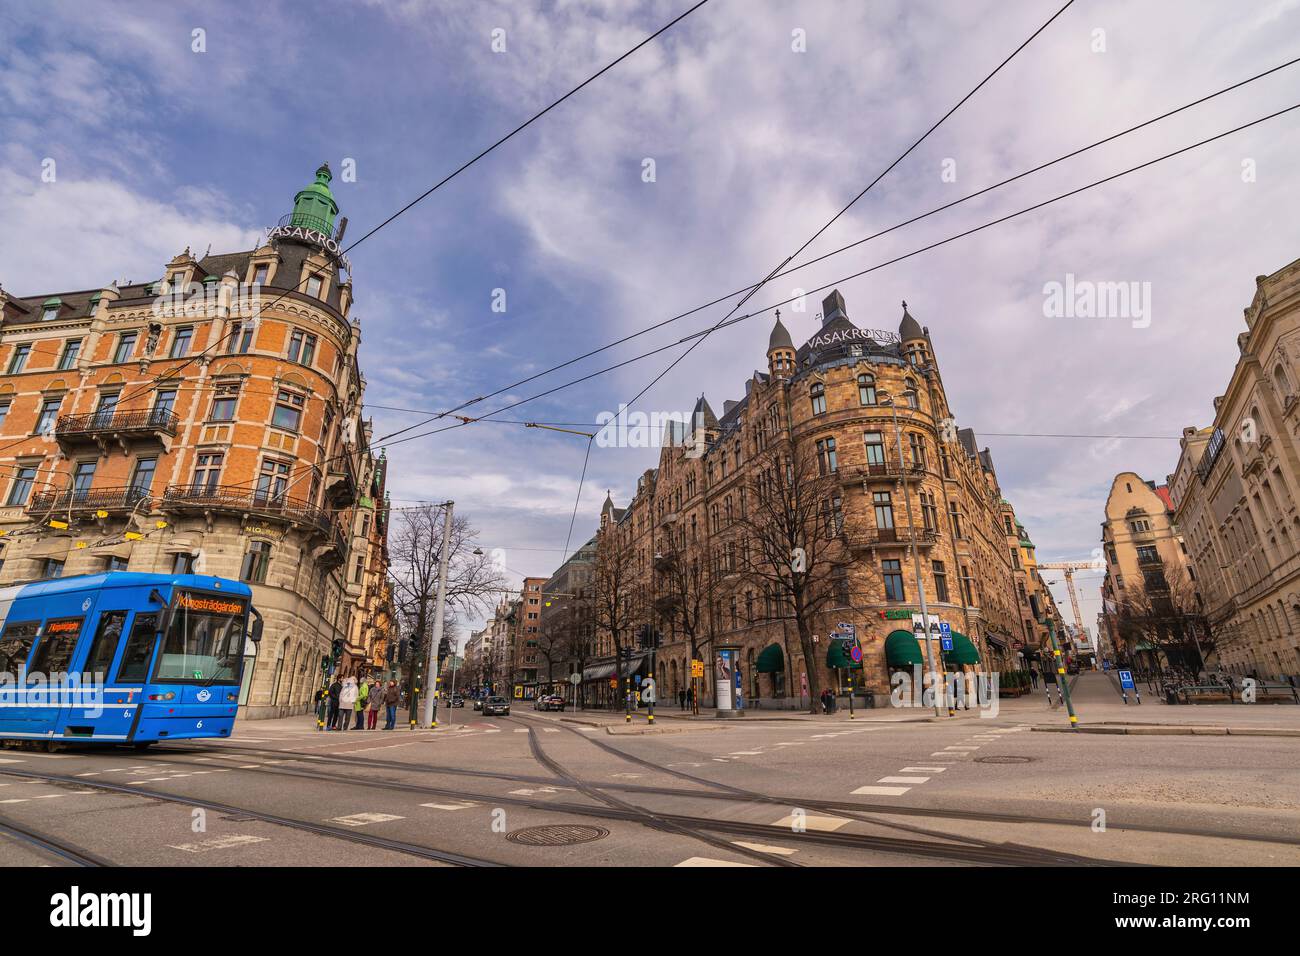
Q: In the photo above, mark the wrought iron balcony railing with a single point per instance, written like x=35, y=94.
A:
x=314, y=223
x=849, y=474
x=240, y=498
x=87, y=499
x=140, y=420
x=887, y=537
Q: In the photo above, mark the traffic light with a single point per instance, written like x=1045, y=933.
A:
x=325, y=662
x=336, y=651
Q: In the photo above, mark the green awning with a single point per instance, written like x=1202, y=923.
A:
x=963, y=651
x=902, y=650
x=837, y=656
x=771, y=660
x=1144, y=646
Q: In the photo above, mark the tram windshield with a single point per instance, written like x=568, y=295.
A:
x=205, y=640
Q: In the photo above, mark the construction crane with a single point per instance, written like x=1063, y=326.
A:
x=1069, y=567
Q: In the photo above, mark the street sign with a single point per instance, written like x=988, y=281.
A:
x=1126, y=680
x=697, y=668
x=946, y=641
x=636, y=679
x=945, y=629
x=855, y=654
x=575, y=679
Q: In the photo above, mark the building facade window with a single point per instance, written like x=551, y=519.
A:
x=52, y=568
x=125, y=347
x=940, y=581
x=48, y=416
x=70, y=352
x=241, y=337
x=817, y=396
x=827, y=461
x=866, y=389
x=105, y=408
x=142, y=477
x=207, y=472
x=288, y=410
x=257, y=559
x=4, y=412
x=183, y=563
x=884, y=509
x=892, y=571
x=314, y=286
x=24, y=478
x=302, y=347
x=19, y=360
x=272, y=480
x=223, y=403
x=875, y=446
x=181, y=342
x=82, y=477
x=164, y=404
x=260, y=272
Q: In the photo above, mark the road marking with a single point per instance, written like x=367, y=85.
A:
x=902, y=780
x=961, y=748
x=50, y=756
x=11, y=760
x=744, y=753
x=217, y=843
x=942, y=753
x=521, y=730
x=361, y=819
x=883, y=791
x=550, y=730
x=705, y=861
x=48, y=796
x=810, y=822
x=15, y=800
x=628, y=776
x=446, y=806
x=923, y=770
x=764, y=848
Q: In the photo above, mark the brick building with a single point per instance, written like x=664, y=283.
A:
x=208, y=419
x=869, y=409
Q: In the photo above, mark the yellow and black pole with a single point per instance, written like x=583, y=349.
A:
x=1059, y=663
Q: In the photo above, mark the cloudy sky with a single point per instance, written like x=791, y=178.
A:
x=762, y=118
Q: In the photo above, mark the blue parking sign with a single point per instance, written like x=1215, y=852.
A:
x=945, y=629
x=1126, y=680
x=946, y=641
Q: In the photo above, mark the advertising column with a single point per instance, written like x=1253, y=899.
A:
x=726, y=660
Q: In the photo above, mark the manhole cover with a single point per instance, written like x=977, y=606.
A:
x=561, y=835
x=1005, y=759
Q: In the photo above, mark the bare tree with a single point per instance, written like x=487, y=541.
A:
x=684, y=590
x=1164, y=612
x=415, y=552
x=614, y=597
x=791, y=545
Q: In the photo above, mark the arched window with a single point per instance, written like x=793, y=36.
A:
x=1280, y=381
x=910, y=392
x=817, y=395
x=867, y=389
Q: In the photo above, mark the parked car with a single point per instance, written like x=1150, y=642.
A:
x=550, y=702
x=496, y=707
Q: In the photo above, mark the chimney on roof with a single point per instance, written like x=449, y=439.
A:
x=833, y=307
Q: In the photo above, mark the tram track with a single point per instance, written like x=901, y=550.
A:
x=321, y=829
x=51, y=845
x=727, y=793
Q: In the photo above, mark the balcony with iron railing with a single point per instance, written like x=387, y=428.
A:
x=240, y=499
x=87, y=500
x=122, y=425
x=852, y=474
x=887, y=538
x=314, y=223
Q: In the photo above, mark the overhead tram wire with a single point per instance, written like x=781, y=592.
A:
x=834, y=252
x=813, y=238
x=464, y=166
x=880, y=265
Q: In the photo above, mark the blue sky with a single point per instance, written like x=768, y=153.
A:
x=755, y=145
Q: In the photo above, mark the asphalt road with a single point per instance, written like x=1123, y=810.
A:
x=773, y=792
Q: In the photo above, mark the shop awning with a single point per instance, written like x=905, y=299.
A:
x=113, y=549
x=997, y=639
x=902, y=650
x=963, y=651
x=605, y=671
x=771, y=660
x=837, y=656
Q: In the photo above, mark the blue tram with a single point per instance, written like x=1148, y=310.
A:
x=121, y=657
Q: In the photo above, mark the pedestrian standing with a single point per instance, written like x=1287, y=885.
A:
x=347, y=701
x=681, y=698
x=1033, y=677
x=363, y=695
x=376, y=700
x=391, y=697
x=335, y=692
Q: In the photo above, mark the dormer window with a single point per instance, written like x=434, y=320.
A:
x=314, y=286
x=50, y=309
x=260, y=273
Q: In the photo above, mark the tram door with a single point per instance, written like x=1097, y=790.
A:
x=50, y=692
x=108, y=709
x=16, y=642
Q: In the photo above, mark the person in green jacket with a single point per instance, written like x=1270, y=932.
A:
x=359, y=706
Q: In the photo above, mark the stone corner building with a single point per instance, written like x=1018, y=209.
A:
x=884, y=486
x=206, y=420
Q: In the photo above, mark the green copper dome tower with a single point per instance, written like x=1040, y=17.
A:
x=314, y=207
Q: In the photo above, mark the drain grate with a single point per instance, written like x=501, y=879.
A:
x=558, y=835
x=1004, y=759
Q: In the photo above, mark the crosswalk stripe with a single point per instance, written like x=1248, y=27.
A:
x=883, y=791
x=902, y=780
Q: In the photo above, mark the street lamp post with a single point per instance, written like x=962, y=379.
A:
x=935, y=672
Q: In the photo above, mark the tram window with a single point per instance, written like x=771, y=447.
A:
x=204, y=641
x=15, y=644
x=54, y=653
x=139, y=648
x=104, y=647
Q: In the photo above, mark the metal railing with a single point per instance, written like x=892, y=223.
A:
x=877, y=537
x=88, y=499
x=103, y=422
x=314, y=223
x=884, y=469
x=243, y=499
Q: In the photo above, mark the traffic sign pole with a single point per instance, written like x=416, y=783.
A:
x=1060, y=673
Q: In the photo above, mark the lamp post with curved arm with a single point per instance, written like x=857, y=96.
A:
x=936, y=671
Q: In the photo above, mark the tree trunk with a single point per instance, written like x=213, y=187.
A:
x=810, y=663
